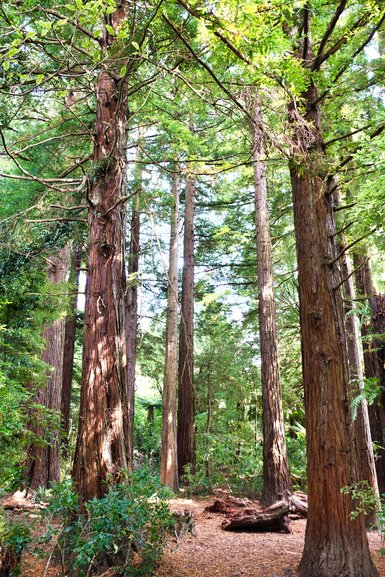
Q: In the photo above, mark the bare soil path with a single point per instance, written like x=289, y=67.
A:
x=218, y=553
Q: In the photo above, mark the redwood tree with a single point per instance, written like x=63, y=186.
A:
x=365, y=463
x=43, y=464
x=132, y=304
x=101, y=450
x=185, y=431
x=276, y=475
x=168, y=458
x=335, y=545
x=69, y=344
x=373, y=358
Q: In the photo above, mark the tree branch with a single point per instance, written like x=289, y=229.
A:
x=330, y=28
x=349, y=246
x=207, y=68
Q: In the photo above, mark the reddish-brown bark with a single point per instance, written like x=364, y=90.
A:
x=276, y=475
x=69, y=346
x=101, y=450
x=132, y=309
x=43, y=464
x=373, y=360
x=335, y=545
x=364, y=465
x=273, y=518
x=168, y=460
x=185, y=430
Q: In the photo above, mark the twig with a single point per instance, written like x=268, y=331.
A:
x=342, y=207
x=120, y=201
x=343, y=229
x=351, y=274
x=61, y=219
x=346, y=248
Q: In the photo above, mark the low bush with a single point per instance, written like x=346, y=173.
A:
x=126, y=529
x=14, y=537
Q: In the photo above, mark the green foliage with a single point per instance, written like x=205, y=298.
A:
x=147, y=430
x=126, y=529
x=226, y=380
x=14, y=538
x=13, y=403
x=24, y=308
x=296, y=452
x=363, y=496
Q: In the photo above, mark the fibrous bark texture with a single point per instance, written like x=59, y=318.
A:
x=273, y=518
x=365, y=469
x=43, y=465
x=169, y=462
x=373, y=361
x=185, y=431
x=335, y=545
x=276, y=475
x=101, y=450
x=365, y=464
x=69, y=345
x=132, y=308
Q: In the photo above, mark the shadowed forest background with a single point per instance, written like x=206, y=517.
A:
x=191, y=282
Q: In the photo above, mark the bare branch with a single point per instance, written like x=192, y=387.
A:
x=61, y=219
x=349, y=246
x=330, y=28
x=351, y=274
x=120, y=201
x=207, y=68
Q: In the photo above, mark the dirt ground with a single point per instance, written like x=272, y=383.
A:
x=214, y=552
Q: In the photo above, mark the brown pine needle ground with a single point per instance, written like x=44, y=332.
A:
x=215, y=552
x=218, y=553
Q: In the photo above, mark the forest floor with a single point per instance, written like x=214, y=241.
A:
x=214, y=552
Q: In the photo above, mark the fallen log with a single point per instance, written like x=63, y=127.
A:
x=271, y=519
x=298, y=506
x=228, y=505
x=20, y=500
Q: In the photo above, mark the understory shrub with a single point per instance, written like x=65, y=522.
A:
x=14, y=537
x=126, y=529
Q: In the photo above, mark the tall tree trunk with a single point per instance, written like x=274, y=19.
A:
x=365, y=464
x=69, y=346
x=373, y=363
x=101, y=450
x=185, y=431
x=43, y=464
x=168, y=460
x=335, y=545
x=209, y=414
x=276, y=475
x=132, y=306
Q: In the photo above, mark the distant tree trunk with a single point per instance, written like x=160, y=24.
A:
x=276, y=475
x=169, y=461
x=69, y=346
x=132, y=306
x=43, y=464
x=335, y=545
x=185, y=431
x=209, y=414
x=101, y=450
x=254, y=416
x=365, y=465
x=373, y=361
